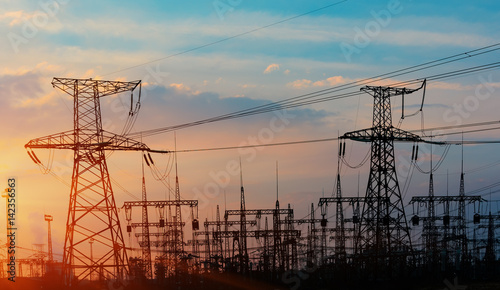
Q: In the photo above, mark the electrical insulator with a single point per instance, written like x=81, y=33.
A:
x=355, y=219
x=324, y=222
x=162, y=223
x=129, y=229
x=196, y=225
x=128, y=213
x=477, y=219
x=415, y=220
x=446, y=220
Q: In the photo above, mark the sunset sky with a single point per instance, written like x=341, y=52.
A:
x=201, y=59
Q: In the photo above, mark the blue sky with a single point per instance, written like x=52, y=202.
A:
x=119, y=39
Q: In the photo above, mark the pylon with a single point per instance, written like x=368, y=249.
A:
x=92, y=210
x=383, y=243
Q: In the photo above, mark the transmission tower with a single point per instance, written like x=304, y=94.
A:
x=178, y=233
x=462, y=227
x=92, y=210
x=48, y=219
x=340, y=252
x=146, y=249
x=383, y=239
x=243, y=229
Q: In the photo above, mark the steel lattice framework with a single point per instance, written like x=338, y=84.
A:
x=383, y=242
x=92, y=214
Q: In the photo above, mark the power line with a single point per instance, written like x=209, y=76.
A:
x=257, y=145
x=230, y=37
x=313, y=97
x=333, y=139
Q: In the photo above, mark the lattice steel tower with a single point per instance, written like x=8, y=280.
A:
x=92, y=210
x=48, y=219
x=383, y=242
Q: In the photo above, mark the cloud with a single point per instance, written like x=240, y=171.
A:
x=286, y=72
x=184, y=88
x=16, y=17
x=271, y=68
x=246, y=86
x=331, y=81
x=300, y=84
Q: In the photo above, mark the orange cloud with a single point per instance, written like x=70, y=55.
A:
x=331, y=81
x=34, y=102
x=184, y=88
x=180, y=87
x=272, y=67
x=300, y=84
x=246, y=86
x=16, y=17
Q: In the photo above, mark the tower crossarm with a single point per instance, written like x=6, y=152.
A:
x=250, y=234
x=258, y=211
x=304, y=221
x=161, y=203
x=229, y=223
x=156, y=224
x=371, y=134
x=445, y=198
x=66, y=140
x=327, y=200
x=390, y=91
x=104, y=88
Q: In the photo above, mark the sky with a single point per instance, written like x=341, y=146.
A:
x=207, y=58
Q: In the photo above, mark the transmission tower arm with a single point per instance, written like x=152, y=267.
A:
x=104, y=88
x=370, y=134
x=391, y=91
x=66, y=140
